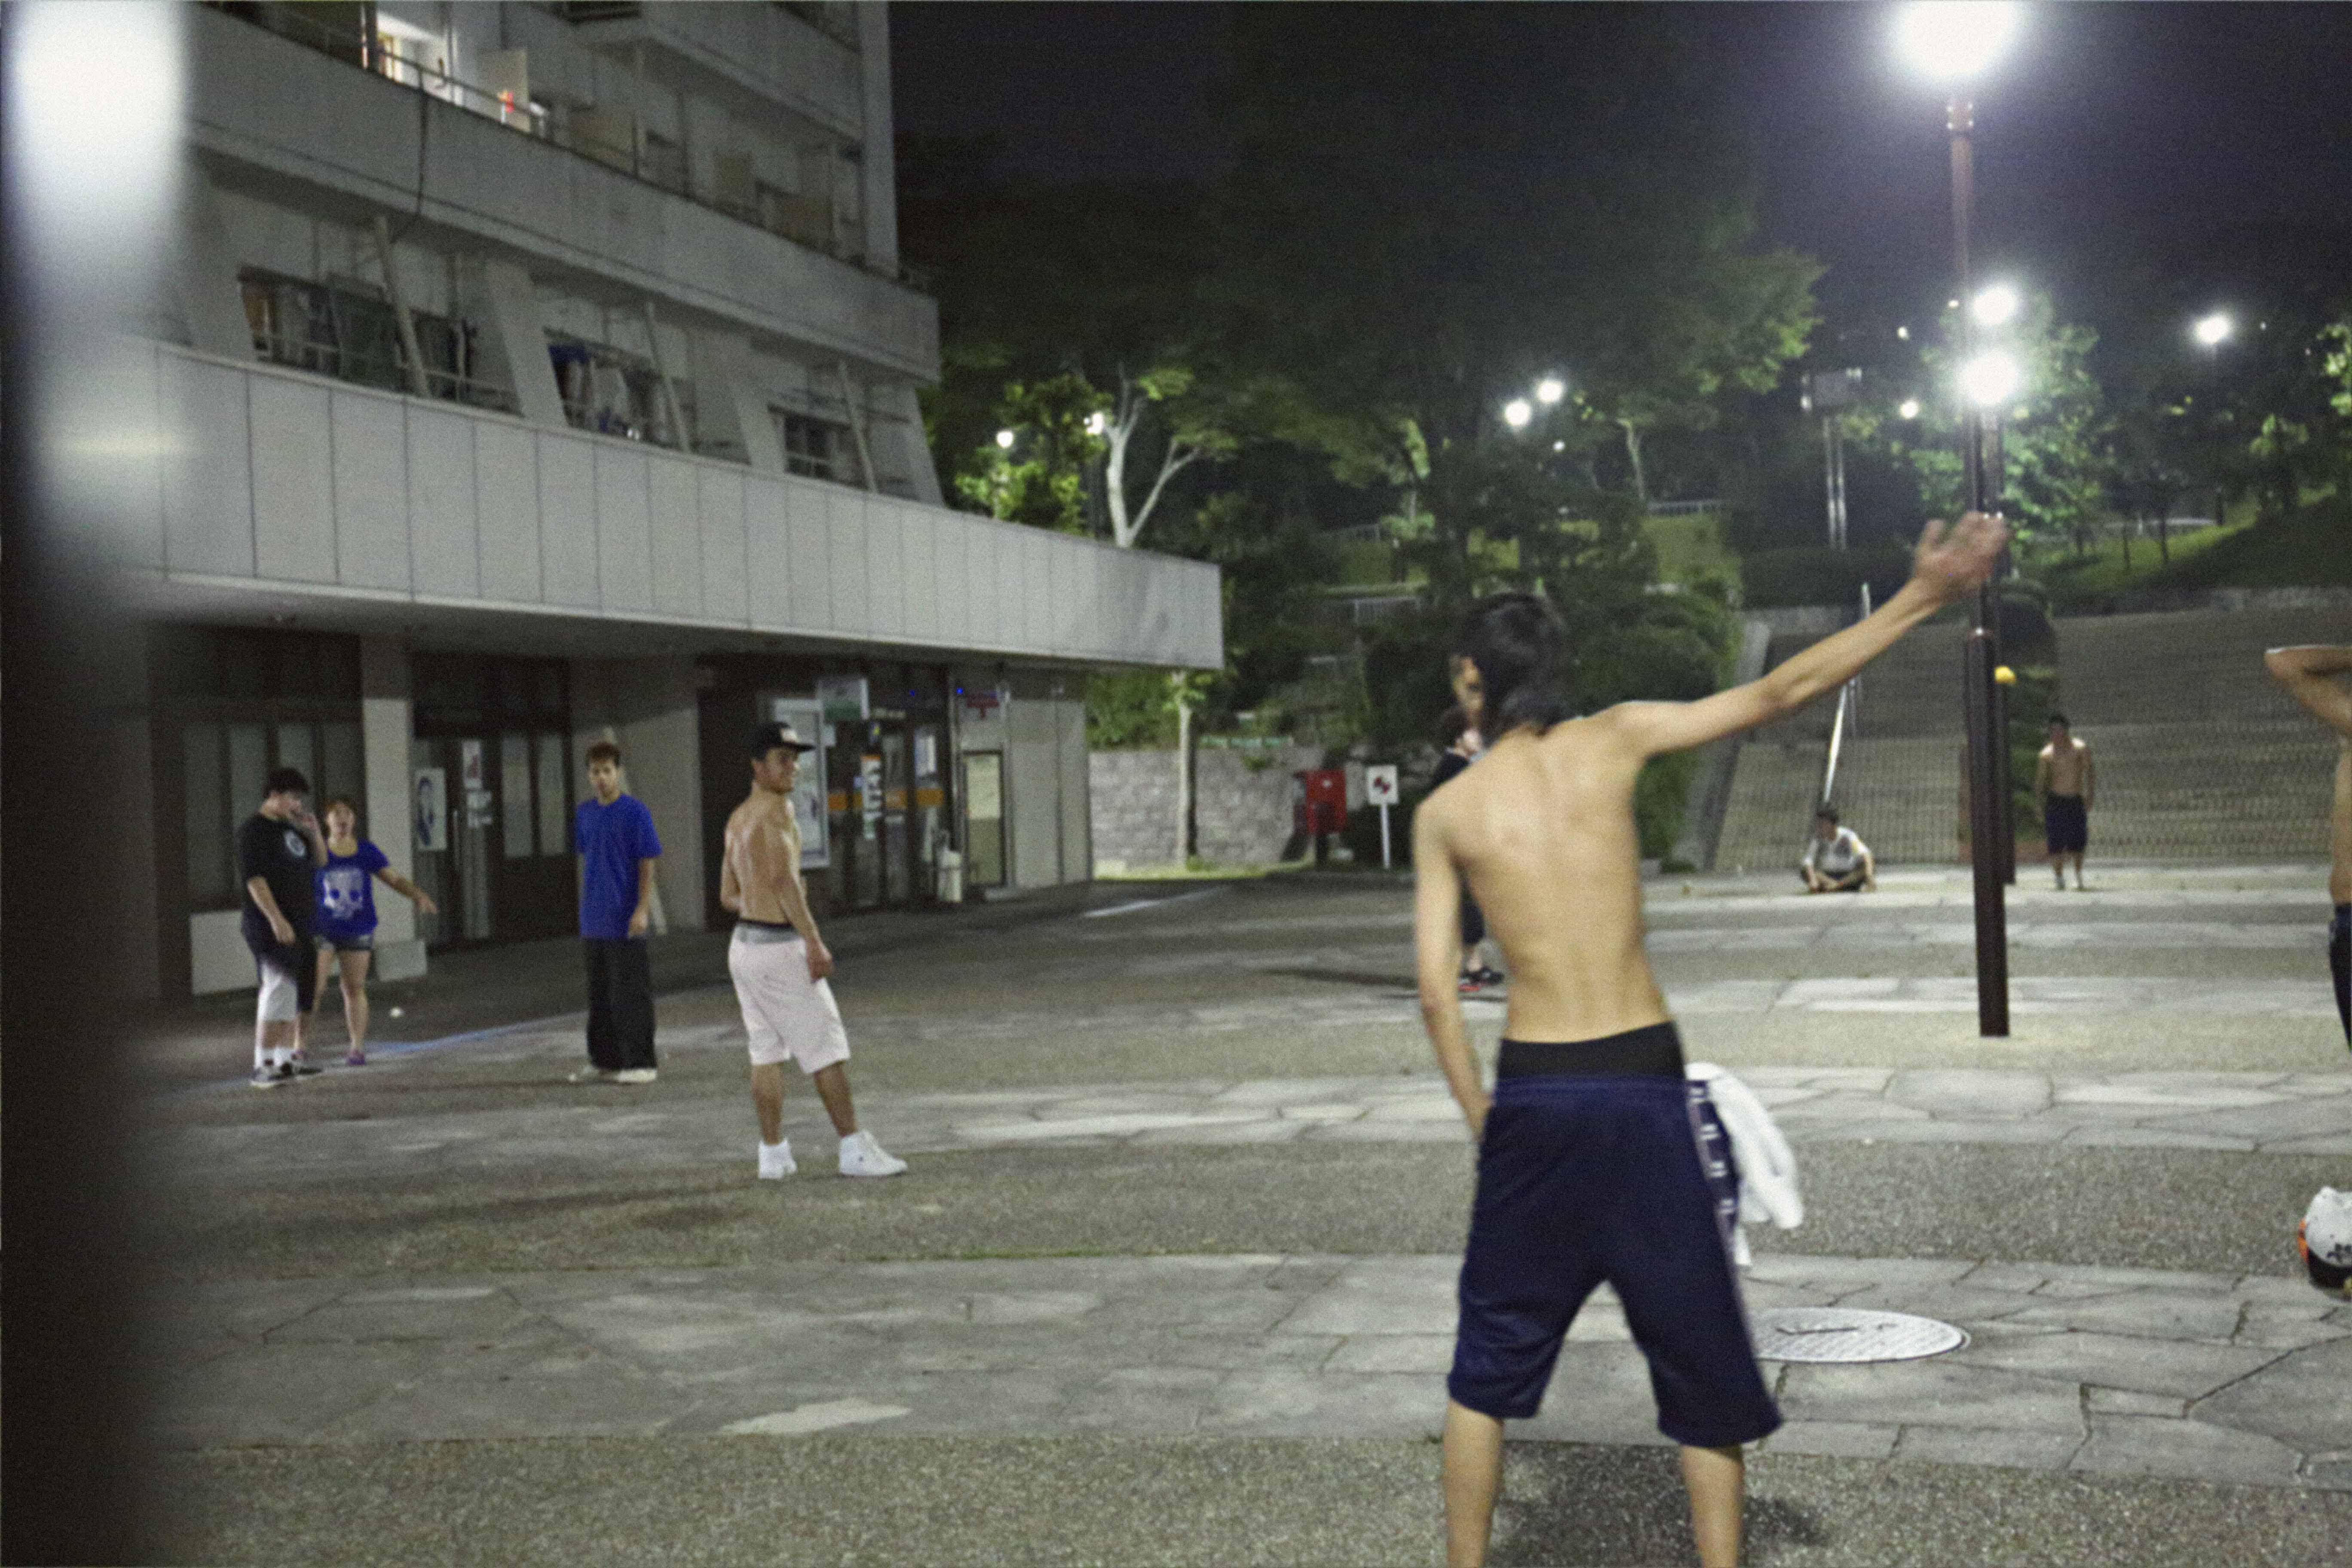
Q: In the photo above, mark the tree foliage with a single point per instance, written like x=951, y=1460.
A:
x=2056, y=458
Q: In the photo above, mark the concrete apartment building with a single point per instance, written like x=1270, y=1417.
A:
x=533, y=374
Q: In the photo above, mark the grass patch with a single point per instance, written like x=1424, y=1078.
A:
x=2312, y=547
x=1691, y=548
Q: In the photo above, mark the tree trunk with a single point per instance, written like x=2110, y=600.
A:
x=2164, y=536
x=1633, y=456
x=1183, y=771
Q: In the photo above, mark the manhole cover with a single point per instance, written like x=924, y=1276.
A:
x=1850, y=1333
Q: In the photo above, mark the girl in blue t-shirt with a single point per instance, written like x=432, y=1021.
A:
x=346, y=915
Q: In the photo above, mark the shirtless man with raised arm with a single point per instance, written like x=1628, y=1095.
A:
x=2309, y=672
x=779, y=964
x=1587, y=1161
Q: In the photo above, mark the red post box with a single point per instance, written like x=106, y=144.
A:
x=1320, y=804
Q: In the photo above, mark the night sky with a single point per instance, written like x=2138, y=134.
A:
x=2109, y=128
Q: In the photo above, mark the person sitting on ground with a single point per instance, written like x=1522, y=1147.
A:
x=346, y=927
x=1457, y=735
x=1836, y=859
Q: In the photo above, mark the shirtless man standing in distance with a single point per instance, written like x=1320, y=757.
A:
x=2063, y=788
x=2308, y=673
x=779, y=964
x=1588, y=1167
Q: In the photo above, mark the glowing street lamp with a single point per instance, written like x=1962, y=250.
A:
x=1994, y=306
x=2214, y=330
x=1908, y=408
x=1097, y=423
x=1518, y=412
x=1991, y=378
x=1550, y=389
x=1952, y=42
x=1004, y=439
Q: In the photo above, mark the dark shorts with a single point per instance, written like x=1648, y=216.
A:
x=347, y=941
x=2065, y=824
x=1604, y=1164
x=2339, y=965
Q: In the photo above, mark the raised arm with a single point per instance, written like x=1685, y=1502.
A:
x=2305, y=672
x=1947, y=564
x=1437, y=954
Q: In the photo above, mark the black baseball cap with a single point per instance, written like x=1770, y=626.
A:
x=766, y=738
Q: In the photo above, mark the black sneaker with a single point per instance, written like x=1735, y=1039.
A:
x=301, y=1069
x=1486, y=977
x=1469, y=982
x=270, y=1078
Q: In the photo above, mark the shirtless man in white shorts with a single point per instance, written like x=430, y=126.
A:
x=780, y=964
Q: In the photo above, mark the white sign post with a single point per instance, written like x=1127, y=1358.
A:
x=1381, y=790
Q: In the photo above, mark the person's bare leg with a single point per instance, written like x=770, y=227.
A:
x=1717, y=1481
x=355, y=1003
x=767, y=1099
x=1473, y=1476
x=833, y=1088
x=2058, y=869
x=2078, y=870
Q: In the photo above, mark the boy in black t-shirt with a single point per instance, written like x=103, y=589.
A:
x=278, y=851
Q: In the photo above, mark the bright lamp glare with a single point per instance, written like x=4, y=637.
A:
x=1551, y=389
x=1004, y=439
x=1097, y=423
x=1516, y=412
x=1990, y=378
x=1994, y=306
x=1952, y=40
x=1908, y=408
x=2213, y=328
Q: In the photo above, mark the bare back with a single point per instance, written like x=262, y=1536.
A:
x=1542, y=830
x=763, y=855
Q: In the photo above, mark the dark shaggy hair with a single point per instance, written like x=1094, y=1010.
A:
x=285, y=781
x=2058, y=719
x=1451, y=724
x=1518, y=644
x=605, y=751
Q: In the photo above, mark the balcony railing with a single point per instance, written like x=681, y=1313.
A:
x=609, y=140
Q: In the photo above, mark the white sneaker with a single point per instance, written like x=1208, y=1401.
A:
x=776, y=1163
x=861, y=1156
x=593, y=1075
x=633, y=1074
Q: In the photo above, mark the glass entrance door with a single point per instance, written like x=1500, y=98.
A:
x=491, y=831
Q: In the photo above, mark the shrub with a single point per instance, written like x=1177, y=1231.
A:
x=1816, y=574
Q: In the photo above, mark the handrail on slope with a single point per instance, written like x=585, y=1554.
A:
x=1849, y=697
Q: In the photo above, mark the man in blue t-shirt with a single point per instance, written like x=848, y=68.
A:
x=615, y=836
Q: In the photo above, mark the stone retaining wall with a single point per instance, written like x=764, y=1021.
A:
x=1241, y=809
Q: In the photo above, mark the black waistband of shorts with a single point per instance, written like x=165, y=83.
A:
x=1654, y=1050
x=763, y=925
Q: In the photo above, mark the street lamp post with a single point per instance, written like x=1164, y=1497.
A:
x=2212, y=332
x=1953, y=40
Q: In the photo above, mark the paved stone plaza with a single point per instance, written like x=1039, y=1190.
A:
x=1170, y=1278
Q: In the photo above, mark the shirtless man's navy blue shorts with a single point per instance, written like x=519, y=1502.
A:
x=1591, y=1168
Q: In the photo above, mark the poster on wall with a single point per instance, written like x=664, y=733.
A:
x=845, y=699
x=432, y=797
x=805, y=714
x=478, y=792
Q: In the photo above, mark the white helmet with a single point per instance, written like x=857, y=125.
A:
x=2325, y=1239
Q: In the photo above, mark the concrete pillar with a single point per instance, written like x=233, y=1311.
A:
x=205, y=276
x=650, y=707
x=517, y=340
x=906, y=450
x=386, y=722
x=877, y=151
x=727, y=400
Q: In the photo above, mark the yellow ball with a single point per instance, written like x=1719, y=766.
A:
x=2004, y=675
